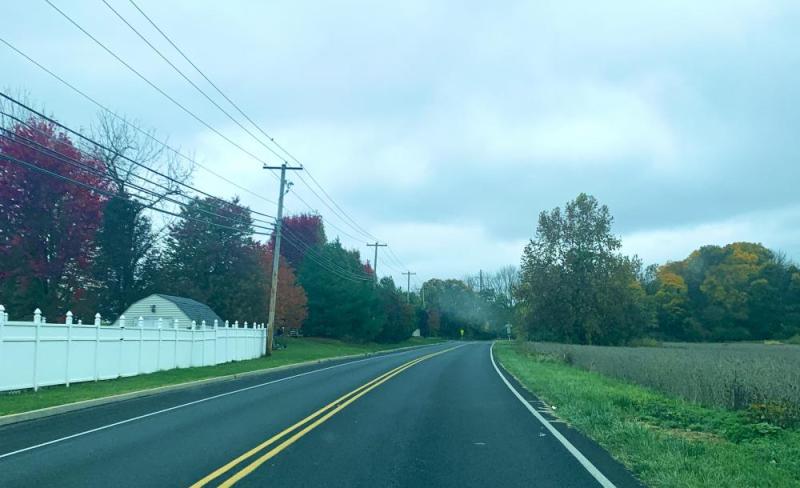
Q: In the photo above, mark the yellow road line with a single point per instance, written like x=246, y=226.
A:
x=336, y=405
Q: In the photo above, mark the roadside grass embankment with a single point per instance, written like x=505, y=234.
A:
x=665, y=440
x=298, y=351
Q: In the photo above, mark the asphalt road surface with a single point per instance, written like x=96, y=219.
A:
x=434, y=416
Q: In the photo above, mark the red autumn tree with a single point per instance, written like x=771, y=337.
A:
x=301, y=233
x=47, y=224
x=368, y=269
x=292, y=307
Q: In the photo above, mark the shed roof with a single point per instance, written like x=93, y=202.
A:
x=192, y=308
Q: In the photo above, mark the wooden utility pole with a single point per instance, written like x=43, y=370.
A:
x=375, y=262
x=276, y=253
x=408, y=285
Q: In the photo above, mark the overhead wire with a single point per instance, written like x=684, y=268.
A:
x=157, y=197
x=341, y=211
x=154, y=86
x=129, y=124
x=308, y=249
x=180, y=51
x=105, y=192
x=15, y=137
x=178, y=104
x=112, y=151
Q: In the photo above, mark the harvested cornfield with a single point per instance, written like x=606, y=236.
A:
x=734, y=376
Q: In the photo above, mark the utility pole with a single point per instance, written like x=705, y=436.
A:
x=276, y=253
x=375, y=262
x=480, y=282
x=408, y=285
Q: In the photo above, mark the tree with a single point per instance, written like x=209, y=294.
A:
x=292, y=303
x=575, y=286
x=220, y=265
x=48, y=225
x=125, y=240
x=302, y=233
x=143, y=175
x=741, y=291
x=339, y=306
x=397, y=314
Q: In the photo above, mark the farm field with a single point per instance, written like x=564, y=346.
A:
x=666, y=440
x=729, y=375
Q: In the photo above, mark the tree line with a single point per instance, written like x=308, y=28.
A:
x=577, y=286
x=79, y=232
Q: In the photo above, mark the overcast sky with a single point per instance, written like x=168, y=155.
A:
x=444, y=128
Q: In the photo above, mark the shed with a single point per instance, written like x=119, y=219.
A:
x=168, y=308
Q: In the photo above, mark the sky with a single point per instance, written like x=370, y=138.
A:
x=445, y=127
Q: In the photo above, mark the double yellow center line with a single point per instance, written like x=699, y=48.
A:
x=303, y=427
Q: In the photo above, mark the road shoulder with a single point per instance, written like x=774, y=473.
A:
x=611, y=472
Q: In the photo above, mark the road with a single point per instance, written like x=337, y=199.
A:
x=435, y=416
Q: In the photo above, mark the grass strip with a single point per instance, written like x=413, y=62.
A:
x=298, y=351
x=665, y=441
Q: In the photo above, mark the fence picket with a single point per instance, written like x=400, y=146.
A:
x=37, y=320
x=2, y=326
x=69, y=347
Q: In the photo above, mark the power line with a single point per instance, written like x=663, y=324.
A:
x=105, y=148
x=307, y=250
x=153, y=85
x=181, y=106
x=49, y=152
x=346, y=217
x=129, y=124
x=107, y=193
x=316, y=259
x=194, y=85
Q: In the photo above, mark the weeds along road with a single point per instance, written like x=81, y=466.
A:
x=434, y=416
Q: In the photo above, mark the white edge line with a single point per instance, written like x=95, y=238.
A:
x=591, y=468
x=195, y=402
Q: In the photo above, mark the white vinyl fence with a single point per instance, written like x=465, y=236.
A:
x=34, y=354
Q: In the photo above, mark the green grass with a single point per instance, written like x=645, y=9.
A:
x=298, y=350
x=664, y=440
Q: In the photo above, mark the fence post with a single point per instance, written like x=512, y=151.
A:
x=191, y=355
x=2, y=324
x=97, y=345
x=227, y=340
x=246, y=345
x=236, y=341
x=158, y=353
x=140, y=324
x=119, y=345
x=216, y=336
x=37, y=321
x=69, y=344
x=175, y=344
x=203, y=343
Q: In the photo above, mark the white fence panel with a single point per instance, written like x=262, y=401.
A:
x=35, y=354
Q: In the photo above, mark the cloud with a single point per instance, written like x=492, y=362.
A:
x=446, y=127
x=779, y=230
